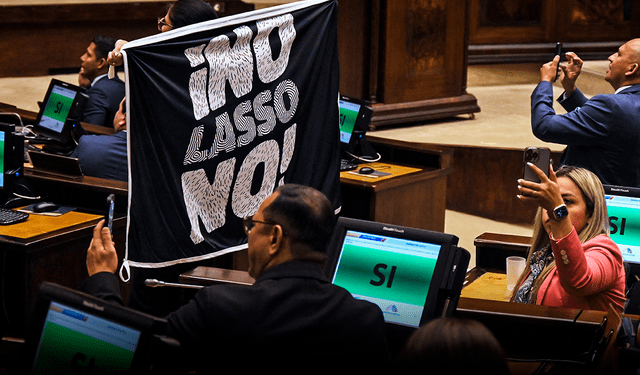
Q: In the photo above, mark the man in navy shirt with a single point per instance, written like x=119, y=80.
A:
x=104, y=94
x=105, y=156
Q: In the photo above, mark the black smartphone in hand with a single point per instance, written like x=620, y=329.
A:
x=558, y=53
x=108, y=215
x=538, y=156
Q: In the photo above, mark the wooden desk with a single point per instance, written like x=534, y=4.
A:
x=44, y=248
x=411, y=197
x=537, y=332
x=486, y=285
x=415, y=197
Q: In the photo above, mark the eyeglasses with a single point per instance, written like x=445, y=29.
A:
x=162, y=22
x=249, y=223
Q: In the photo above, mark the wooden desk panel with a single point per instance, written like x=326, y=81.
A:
x=536, y=332
x=414, y=200
x=57, y=256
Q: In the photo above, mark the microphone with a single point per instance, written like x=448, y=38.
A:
x=155, y=283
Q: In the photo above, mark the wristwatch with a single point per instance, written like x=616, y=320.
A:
x=560, y=212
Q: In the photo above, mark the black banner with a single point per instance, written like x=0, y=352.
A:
x=221, y=113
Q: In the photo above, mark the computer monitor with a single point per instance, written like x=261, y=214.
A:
x=60, y=111
x=355, y=115
x=623, y=207
x=413, y=275
x=72, y=332
x=11, y=159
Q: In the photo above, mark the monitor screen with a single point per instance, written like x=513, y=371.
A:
x=355, y=116
x=60, y=110
x=402, y=270
x=11, y=159
x=74, y=333
x=623, y=207
x=74, y=339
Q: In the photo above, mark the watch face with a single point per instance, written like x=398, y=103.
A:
x=560, y=212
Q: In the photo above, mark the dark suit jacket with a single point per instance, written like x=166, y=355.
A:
x=103, y=156
x=292, y=319
x=602, y=134
x=104, y=100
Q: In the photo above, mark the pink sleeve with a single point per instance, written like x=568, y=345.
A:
x=587, y=268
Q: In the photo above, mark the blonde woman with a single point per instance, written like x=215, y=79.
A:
x=572, y=261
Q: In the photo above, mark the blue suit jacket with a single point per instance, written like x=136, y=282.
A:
x=602, y=134
x=103, y=156
x=103, y=103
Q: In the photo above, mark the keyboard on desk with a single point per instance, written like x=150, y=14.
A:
x=9, y=216
x=346, y=165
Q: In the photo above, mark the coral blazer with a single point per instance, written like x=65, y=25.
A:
x=587, y=276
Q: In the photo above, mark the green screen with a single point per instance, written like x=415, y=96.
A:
x=58, y=107
x=63, y=349
x=625, y=225
x=357, y=271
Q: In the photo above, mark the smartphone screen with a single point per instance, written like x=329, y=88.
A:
x=538, y=156
x=108, y=216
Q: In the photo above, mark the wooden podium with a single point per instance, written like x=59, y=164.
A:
x=408, y=57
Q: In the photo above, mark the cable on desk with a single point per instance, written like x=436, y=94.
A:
x=13, y=114
x=365, y=159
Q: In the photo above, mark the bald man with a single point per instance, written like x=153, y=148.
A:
x=602, y=134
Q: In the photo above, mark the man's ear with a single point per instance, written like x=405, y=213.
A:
x=276, y=239
x=102, y=63
x=633, y=69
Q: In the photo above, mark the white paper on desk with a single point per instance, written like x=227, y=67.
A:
x=374, y=174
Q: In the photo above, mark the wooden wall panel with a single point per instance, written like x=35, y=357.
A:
x=45, y=39
x=492, y=195
x=526, y=30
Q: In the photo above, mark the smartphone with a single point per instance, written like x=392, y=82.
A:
x=558, y=53
x=108, y=216
x=538, y=156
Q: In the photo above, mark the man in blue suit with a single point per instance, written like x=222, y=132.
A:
x=602, y=134
x=104, y=94
x=105, y=156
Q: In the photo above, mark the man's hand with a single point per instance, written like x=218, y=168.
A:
x=549, y=70
x=101, y=255
x=570, y=72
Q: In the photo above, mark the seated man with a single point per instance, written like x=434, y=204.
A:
x=291, y=319
x=105, y=156
x=104, y=93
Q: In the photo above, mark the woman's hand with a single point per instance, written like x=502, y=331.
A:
x=115, y=57
x=545, y=194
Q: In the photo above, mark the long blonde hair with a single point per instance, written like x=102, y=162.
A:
x=597, y=221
